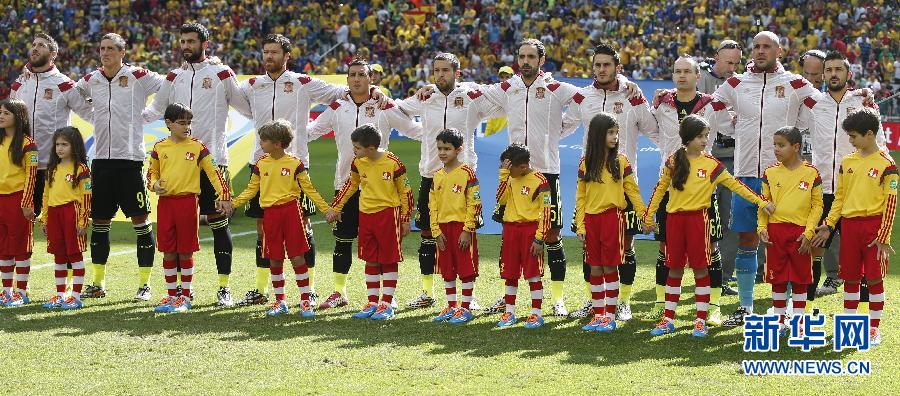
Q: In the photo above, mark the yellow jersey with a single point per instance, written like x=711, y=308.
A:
x=178, y=165
x=384, y=184
x=527, y=199
x=62, y=192
x=19, y=177
x=454, y=196
x=797, y=195
x=593, y=197
x=873, y=182
x=279, y=181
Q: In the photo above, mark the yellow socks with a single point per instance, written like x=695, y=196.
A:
x=340, y=282
x=587, y=291
x=428, y=285
x=100, y=275
x=624, y=293
x=144, y=275
x=223, y=280
x=262, y=279
x=556, y=291
x=714, y=295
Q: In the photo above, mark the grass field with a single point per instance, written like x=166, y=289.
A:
x=116, y=346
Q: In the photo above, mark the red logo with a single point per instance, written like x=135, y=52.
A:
x=385, y=175
x=285, y=171
x=70, y=178
x=189, y=156
x=525, y=190
x=873, y=173
x=457, y=188
x=803, y=185
x=701, y=173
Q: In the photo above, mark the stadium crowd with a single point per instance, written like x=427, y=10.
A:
x=403, y=35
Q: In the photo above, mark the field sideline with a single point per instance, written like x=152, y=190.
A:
x=116, y=346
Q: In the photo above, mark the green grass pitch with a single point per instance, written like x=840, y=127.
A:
x=116, y=346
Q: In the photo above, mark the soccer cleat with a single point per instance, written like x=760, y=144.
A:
x=592, y=326
x=497, y=307
x=606, y=325
x=473, y=305
x=366, y=312
x=71, y=303
x=278, y=308
x=445, y=314
x=737, y=318
x=143, y=293
x=727, y=290
x=223, y=297
x=534, y=321
x=422, y=301
x=181, y=304
x=700, y=329
x=623, y=312
x=335, y=300
x=54, y=302
x=656, y=313
x=306, y=310
x=874, y=337
x=93, y=291
x=784, y=331
x=462, y=315
x=715, y=317
x=584, y=311
x=4, y=298
x=384, y=311
x=559, y=309
x=18, y=300
x=313, y=299
x=179, y=290
x=829, y=286
x=164, y=304
x=253, y=297
x=508, y=319
x=663, y=327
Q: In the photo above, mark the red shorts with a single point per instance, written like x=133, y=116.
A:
x=177, y=224
x=453, y=261
x=283, y=229
x=62, y=231
x=379, y=236
x=783, y=263
x=857, y=259
x=515, y=253
x=15, y=230
x=687, y=240
x=604, y=239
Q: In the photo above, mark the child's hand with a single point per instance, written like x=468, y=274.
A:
x=158, y=188
x=81, y=230
x=770, y=208
x=405, y=230
x=537, y=249
x=28, y=213
x=764, y=237
x=332, y=215
x=465, y=238
x=805, y=244
x=44, y=229
x=225, y=208
x=441, y=242
x=822, y=234
x=581, y=237
x=884, y=250
x=505, y=164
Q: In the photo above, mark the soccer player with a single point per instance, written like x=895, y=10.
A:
x=690, y=176
x=280, y=179
x=64, y=218
x=119, y=93
x=764, y=98
x=670, y=107
x=714, y=72
x=343, y=116
x=866, y=214
x=812, y=67
x=452, y=106
x=18, y=167
x=795, y=188
x=526, y=221
x=455, y=207
x=174, y=175
x=385, y=204
x=207, y=88
x=282, y=94
x=605, y=179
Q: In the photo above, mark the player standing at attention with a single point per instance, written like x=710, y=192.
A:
x=795, y=188
x=18, y=168
x=281, y=179
x=605, y=179
x=174, y=175
x=64, y=218
x=690, y=177
x=865, y=202
x=385, y=204
x=455, y=206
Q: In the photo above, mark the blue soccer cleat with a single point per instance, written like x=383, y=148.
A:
x=606, y=325
x=4, y=298
x=366, y=312
x=18, y=300
x=71, y=303
x=700, y=329
x=445, y=315
x=278, y=308
x=462, y=315
x=508, y=319
x=181, y=304
x=306, y=310
x=164, y=305
x=384, y=311
x=663, y=327
x=534, y=321
x=592, y=326
x=54, y=302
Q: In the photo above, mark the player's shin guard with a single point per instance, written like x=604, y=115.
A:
x=556, y=257
x=146, y=244
x=715, y=278
x=817, y=275
x=745, y=266
x=662, y=274
x=876, y=303
x=310, y=255
x=427, y=260
x=261, y=262
x=222, y=246
x=626, y=275
x=99, y=244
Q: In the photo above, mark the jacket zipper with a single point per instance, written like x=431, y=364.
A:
x=837, y=115
x=274, y=90
x=191, y=96
x=762, y=98
x=109, y=120
x=527, y=93
x=37, y=82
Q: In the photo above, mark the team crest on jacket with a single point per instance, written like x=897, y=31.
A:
x=370, y=111
x=458, y=102
x=701, y=173
x=48, y=94
x=850, y=109
x=873, y=173
x=385, y=175
x=539, y=92
x=288, y=87
x=525, y=190
x=123, y=82
x=285, y=171
x=70, y=178
x=189, y=156
x=779, y=91
x=617, y=107
x=457, y=188
x=803, y=185
x=207, y=83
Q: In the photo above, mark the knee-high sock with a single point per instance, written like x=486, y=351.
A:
x=467, y=285
x=450, y=290
x=146, y=244
x=745, y=266
x=59, y=275
x=512, y=287
x=222, y=248
x=301, y=276
x=537, y=294
x=373, y=282
x=77, y=277
x=427, y=251
x=187, y=276
x=389, y=278
x=701, y=295
x=23, y=270
x=851, y=297
x=611, y=284
x=598, y=295
x=715, y=278
x=626, y=275
x=277, y=274
x=779, y=300
x=817, y=275
x=341, y=260
x=799, y=299
x=876, y=303
x=99, y=244
x=662, y=275
x=673, y=294
x=7, y=268
x=261, y=262
x=170, y=275
x=310, y=255
x=556, y=257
